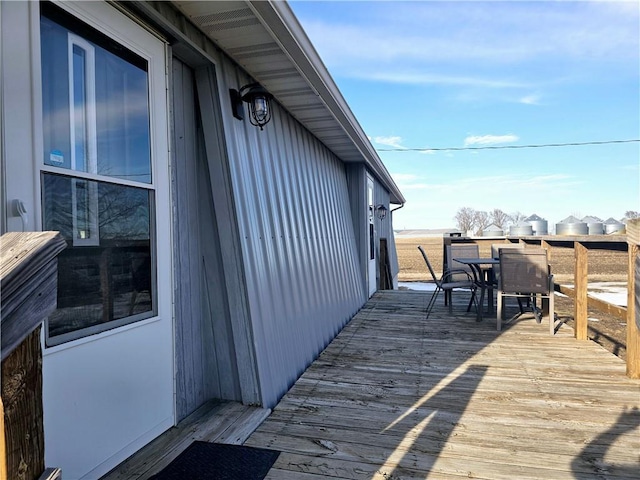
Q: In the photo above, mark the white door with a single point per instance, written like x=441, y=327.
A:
x=371, y=270
x=99, y=175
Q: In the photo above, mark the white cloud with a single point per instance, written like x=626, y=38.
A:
x=409, y=181
x=392, y=141
x=468, y=42
x=632, y=167
x=404, y=177
x=489, y=139
x=530, y=99
x=415, y=186
x=431, y=79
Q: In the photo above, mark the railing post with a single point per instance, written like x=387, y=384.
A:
x=3, y=446
x=580, y=282
x=633, y=300
x=29, y=282
x=544, y=244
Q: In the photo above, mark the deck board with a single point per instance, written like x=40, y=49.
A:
x=215, y=421
x=398, y=396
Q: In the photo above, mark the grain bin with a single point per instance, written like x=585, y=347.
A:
x=522, y=229
x=493, y=231
x=571, y=226
x=613, y=226
x=539, y=225
x=594, y=225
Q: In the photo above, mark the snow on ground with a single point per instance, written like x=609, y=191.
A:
x=424, y=286
x=612, y=292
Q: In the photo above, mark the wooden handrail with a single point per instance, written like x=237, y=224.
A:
x=28, y=290
x=28, y=282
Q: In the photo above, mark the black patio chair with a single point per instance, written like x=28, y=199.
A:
x=450, y=280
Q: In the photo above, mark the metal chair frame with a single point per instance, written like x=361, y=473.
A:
x=525, y=274
x=446, y=283
x=459, y=271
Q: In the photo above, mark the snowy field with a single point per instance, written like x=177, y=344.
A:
x=612, y=292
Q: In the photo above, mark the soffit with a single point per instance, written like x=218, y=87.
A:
x=266, y=40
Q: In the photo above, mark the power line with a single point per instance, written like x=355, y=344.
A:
x=502, y=147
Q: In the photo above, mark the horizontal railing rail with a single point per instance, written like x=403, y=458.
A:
x=581, y=244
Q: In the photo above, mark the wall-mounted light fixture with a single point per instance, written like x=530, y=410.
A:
x=381, y=211
x=259, y=101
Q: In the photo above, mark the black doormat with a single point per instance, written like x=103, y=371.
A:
x=217, y=461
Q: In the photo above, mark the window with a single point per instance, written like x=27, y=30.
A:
x=97, y=185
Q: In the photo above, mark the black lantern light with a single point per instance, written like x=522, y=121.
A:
x=259, y=101
x=381, y=211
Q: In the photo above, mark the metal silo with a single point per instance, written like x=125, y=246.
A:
x=613, y=226
x=594, y=225
x=522, y=229
x=571, y=226
x=540, y=225
x=493, y=231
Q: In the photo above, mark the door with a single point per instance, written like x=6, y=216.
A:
x=99, y=175
x=371, y=264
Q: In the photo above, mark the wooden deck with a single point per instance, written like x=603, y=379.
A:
x=396, y=396
x=217, y=422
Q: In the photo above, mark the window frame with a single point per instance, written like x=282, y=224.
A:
x=92, y=177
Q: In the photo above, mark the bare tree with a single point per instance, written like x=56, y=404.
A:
x=465, y=219
x=517, y=217
x=499, y=218
x=481, y=220
x=629, y=214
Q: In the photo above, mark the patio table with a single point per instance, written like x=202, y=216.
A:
x=482, y=269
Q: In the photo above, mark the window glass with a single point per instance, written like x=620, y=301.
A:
x=96, y=100
x=108, y=277
x=100, y=196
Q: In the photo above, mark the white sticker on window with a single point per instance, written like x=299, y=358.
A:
x=56, y=156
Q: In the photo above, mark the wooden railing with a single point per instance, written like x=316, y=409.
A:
x=28, y=288
x=581, y=246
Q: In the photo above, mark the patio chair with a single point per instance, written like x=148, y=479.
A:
x=525, y=274
x=495, y=253
x=470, y=250
x=459, y=271
x=446, y=283
x=496, y=247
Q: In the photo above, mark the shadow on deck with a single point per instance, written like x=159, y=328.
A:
x=396, y=396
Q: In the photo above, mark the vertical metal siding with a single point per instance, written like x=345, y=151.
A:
x=301, y=258
x=384, y=228
x=204, y=355
x=189, y=394
x=357, y=185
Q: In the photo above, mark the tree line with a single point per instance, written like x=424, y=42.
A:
x=467, y=219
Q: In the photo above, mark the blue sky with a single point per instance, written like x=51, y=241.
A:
x=442, y=74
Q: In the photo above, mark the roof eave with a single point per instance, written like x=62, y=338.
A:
x=278, y=18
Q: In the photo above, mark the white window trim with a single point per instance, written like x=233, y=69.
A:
x=89, y=125
x=90, y=103
x=159, y=184
x=92, y=237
